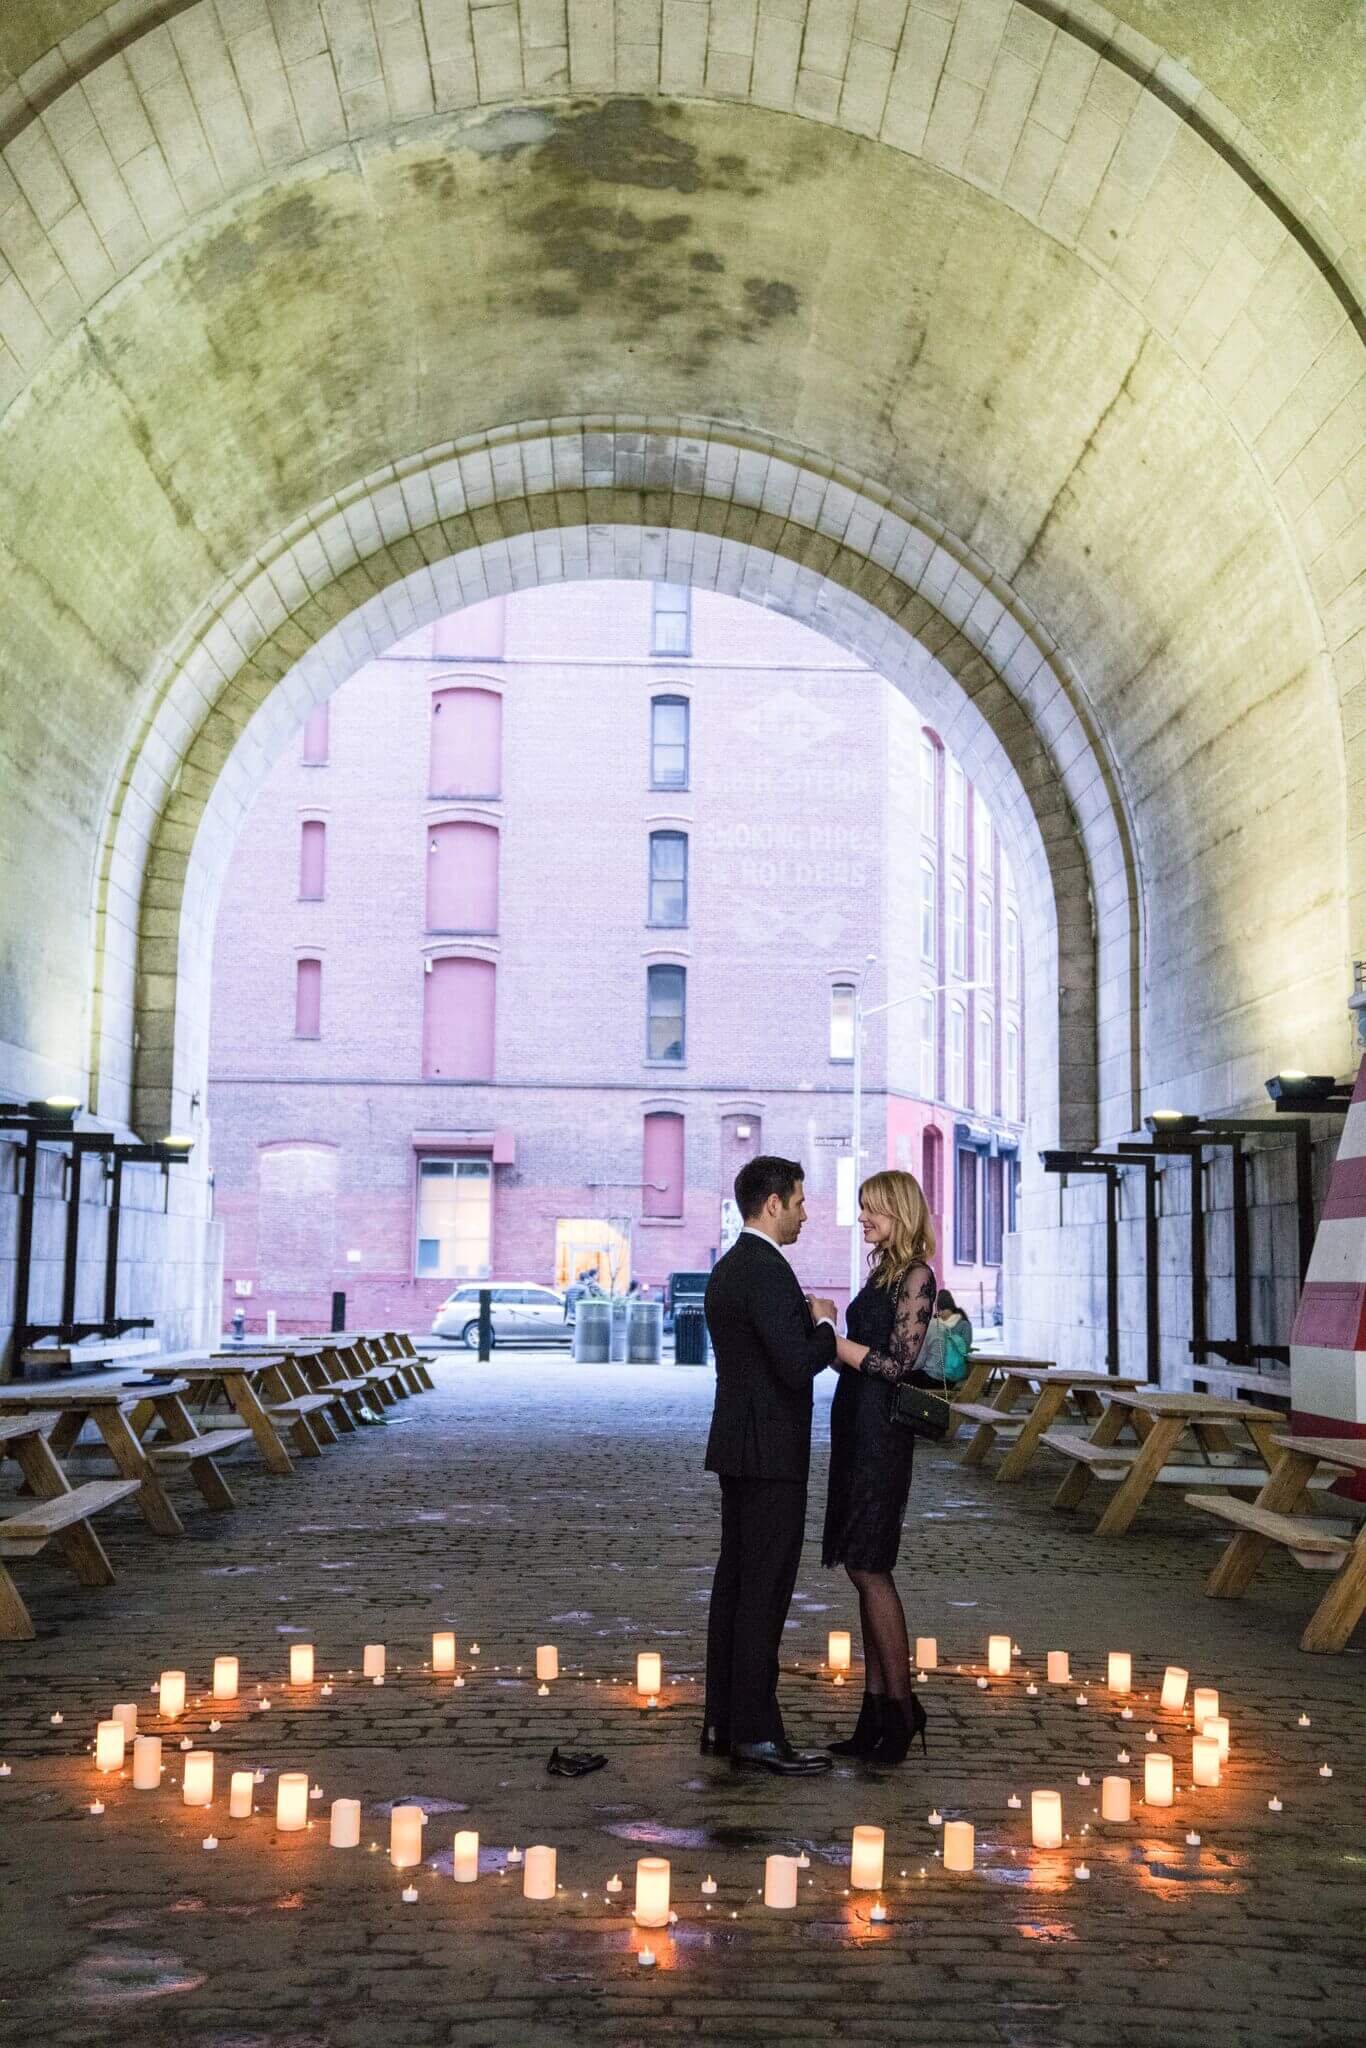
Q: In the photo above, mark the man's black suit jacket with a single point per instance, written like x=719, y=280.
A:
x=768, y=1352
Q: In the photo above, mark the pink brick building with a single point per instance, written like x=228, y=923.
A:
x=556, y=915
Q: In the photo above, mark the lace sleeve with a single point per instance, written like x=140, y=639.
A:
x=914, y=1308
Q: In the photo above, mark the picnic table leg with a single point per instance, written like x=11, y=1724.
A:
x=269, y=1442
x=971, y=1389
x=1342, y=1606
x=16, y=1623
x=1073, y=1489
x=1041, y=1416
x=133, y=1462
x=1284, y=1489
x=205, y=1472
x=79, y=1544
x=1135, y=1488
x=320, y=1421
x=984, y=1436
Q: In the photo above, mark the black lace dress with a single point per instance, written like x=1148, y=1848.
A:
x=870, y=1455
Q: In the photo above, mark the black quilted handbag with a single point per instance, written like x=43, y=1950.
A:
x=919, y=1404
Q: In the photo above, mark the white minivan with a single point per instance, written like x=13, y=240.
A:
x=521, y=1313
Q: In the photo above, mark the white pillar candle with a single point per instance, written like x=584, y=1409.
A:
x=865, y=1859
x=547, y=1662
x=171, y=1694
x=958, y=1845
x=1114, y=1799
x=652, y=1892
x=372, y=1661
x=1121, y=1671
x=1157, y=1778
x=465, y=1868
x=225, y=1678
x=839, y=1650
x=127, y=1716
x=1059, y=1668
x=649, y=1672
x=1045, y=1815
x=926, y=1653
x=147, y=1763
x=780, y=1882
x=538, y=1872
x=1205, y=1760
x=291, y=1802
x=301, y=1663
x=405, y=1836
x=344, y=1829
x=110, y=1742
x=197, y=1783
x=1217, y=1727
x=241, y=1793
x=998, y=1655
x=1204, y=1705
x=1174, y=1683
x=443, y=1651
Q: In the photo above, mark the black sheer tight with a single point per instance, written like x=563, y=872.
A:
x=886, y=1647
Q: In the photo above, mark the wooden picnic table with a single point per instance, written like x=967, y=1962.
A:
x=273, y=1401
x=55, y=1511
x=1317, y=1544
x=1208, y=1420
x=982, y=1367
x=1054, y=1389
x=90, y=1351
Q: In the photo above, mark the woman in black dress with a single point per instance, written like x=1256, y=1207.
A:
x=870, y=1455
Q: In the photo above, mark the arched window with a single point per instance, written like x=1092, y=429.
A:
x=929, y=1050
x=929, y=912
x=983, y=967
x=929, y=785
x=312, y=860
x=308, y=998
x=958, y=809
x=1012, y=1073
x=665, y=1004
x=467, y=743
x=668, y=878
x=462, y=877
x=296, y=1217
x=1010, y=946
x=983, y=1079
x=458, y=1020
x=671, y=621
x=669, y=742
x=842, y=1020
x=662, y=1170
x=932, y=1169
x=317, y=729
x=958, y=1055
x=982, y=836
x=958, y=928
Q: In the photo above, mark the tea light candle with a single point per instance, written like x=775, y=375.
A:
x=865, y=1859
x=344, y=1828
x=241, y=1786
x=225, y=1672
x=291, y=1802
x=1059, y=1667
x=1045, y=1815
x=110, y=1742
x=998, y=1655
x=197, y=1784
x=1205, y=1760
x=147, y=1763
x=613, y=1883
x=405, y=1836
x=652, y=1892
x=126, y=1715
x=709, y=1886
x=1120, y=1671
x=839, y=1649
x=210, y=1841
x=1273, y=1805
x=547, y=1661
x=443, y=1651
x=543, y=1692
x=879, y=1912
x=1303, y=1722
x=1083, y=1874
x=1157, y=1778
x=1114, y=1799
x=646, y=1959
x=372, y=1661
x=538, y=1877
x=649, y=1672
x=1204, y=1705
x=301, y=1663
x=780, y=1882
x=465, y=1867
x=958, y=1845
x=927, y=1652
x=409, y=1895
x=1174, y=1683
x=1014, y=1802
x=1032, y=1689
x=171, y=1694
x=1216, y=1726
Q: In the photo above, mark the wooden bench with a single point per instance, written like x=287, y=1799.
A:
x=1318, y=1545
x=1048, y=1390
x=56, y=1512
x=95, y=1351
x=1165, y=1421
x=267, y=1405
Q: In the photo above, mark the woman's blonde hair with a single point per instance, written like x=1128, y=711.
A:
x=900, y=1197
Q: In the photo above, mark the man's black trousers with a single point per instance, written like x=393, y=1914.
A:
x=762, y=1523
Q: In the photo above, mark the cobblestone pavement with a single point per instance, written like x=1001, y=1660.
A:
x=535, y=1501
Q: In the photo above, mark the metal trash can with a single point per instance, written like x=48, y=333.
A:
x=619, y=1308
x=593, y=1333
x=690, y=1336
x=645, y=1332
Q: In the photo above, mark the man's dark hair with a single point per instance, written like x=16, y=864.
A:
x=759, y=1178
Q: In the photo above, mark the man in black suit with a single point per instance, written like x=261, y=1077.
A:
x=769, y=1343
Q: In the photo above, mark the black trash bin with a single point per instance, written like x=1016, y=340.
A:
x=690, y=1336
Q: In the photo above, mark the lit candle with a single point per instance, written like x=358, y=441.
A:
x=405, y=1836
x=839, y=1649
x=1205, y=1760
x=171, y=1694
x=110, y=1742
x=1174, y=1683
x=709, y=1886
x=652, y=1892
x=1045, y=1814
x=865, y=1859
x=240, y=1789
x=780, y=1882
x=538, y=1876
x=1157, y=1778
x=465, y=1868
x=372, y=1661
x=147, y=1763
x=225, y=1678
x=197, y=1784
x=646, y=1959
x=443, y=1652
x=958, y=1845
x=127, y=1715
x=344, y=1828
x=927, y=1652
x=1216, y=1726
x=1114, y=1799
x=649, y=1678
x=1059, y=1667
x=301, y=1663
x=1204, y=1705
x=998, y=1655
x=1121, y=1671
x=547, y=1661
x=291, y=1802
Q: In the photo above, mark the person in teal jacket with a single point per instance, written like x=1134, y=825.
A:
x=957, y=1338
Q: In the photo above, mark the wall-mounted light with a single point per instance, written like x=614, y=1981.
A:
x=1168, y=1122
x=175, y=1142
x=1293, y=1089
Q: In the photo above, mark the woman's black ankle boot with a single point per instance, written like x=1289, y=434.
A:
x=902, y=1720
x=867, y=1729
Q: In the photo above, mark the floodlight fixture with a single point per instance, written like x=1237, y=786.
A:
x=1294, y=1089
x=1170, y=1123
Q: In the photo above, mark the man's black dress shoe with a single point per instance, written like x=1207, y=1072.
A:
x=714, y=1743
x=780, y=1758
